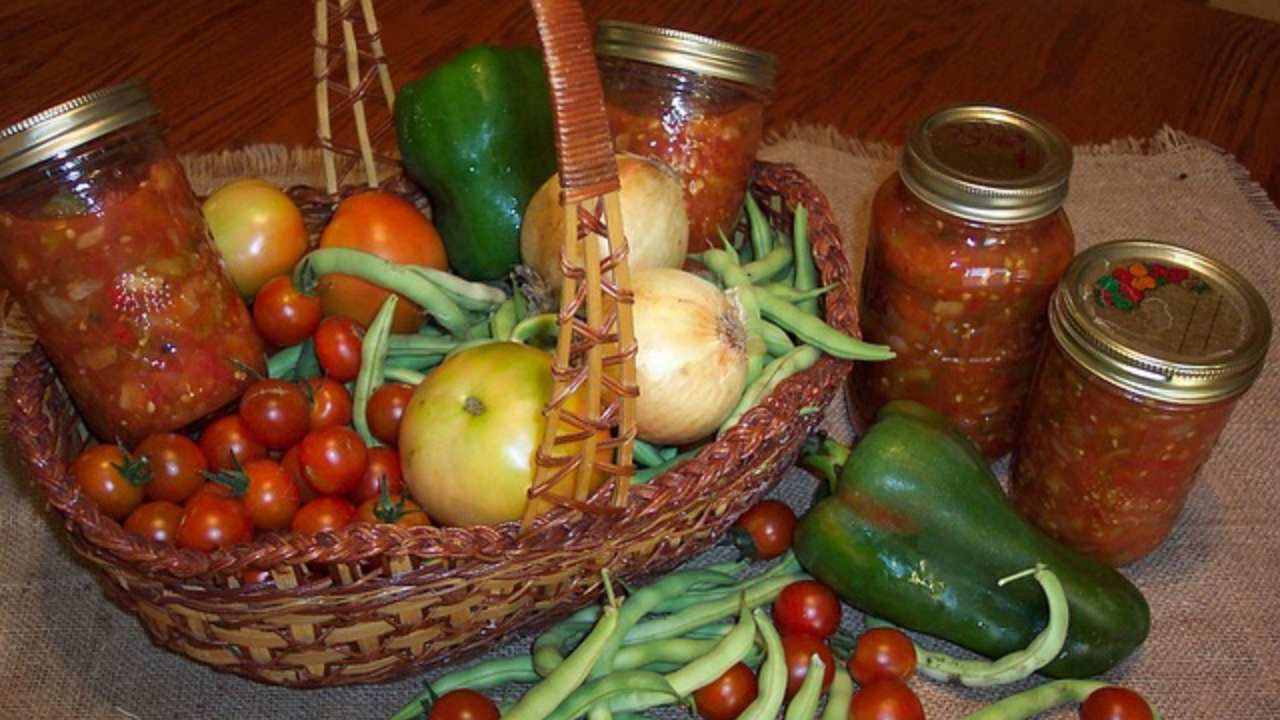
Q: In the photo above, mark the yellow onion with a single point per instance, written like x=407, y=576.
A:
x=691, y=364
x=653, y=216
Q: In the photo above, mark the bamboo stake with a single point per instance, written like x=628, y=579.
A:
x=320, y=68
x=353, y=82
x=375, y=44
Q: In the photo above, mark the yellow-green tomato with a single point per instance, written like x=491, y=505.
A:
x=258, y=230
x=470, y=432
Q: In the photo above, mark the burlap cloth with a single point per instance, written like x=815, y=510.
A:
x=1214, y=651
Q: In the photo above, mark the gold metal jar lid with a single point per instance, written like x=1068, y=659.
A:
x=987, y=163
x=686, y=51
x=73, y=123
x=1161, y=321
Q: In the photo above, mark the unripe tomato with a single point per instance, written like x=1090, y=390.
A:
x=258, y=230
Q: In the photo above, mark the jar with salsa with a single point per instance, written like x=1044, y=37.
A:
x=694, y=103
x=967, y=242
x=104, y=248
x=1152, y=346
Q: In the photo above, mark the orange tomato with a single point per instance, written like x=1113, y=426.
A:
x=258, y=229
x=391, y=228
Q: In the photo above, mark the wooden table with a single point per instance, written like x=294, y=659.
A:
x=235, y=72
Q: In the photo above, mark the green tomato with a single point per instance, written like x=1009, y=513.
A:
x=258, y=230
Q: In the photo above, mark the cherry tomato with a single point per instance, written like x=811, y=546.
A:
x=885, y=699
x=882, y=653
x=728, y=695
x=276, y=412
x=283, y=314
x=1114, y=703
x=177, y=466
x=111, y=478
x=463, y=704
x=391, y=510
x=798, y=649
x=212, y=520
x=289, y=462
x=324, y=513
x=157, y=520
x=387, y=226
x=333, y=459
x=257, y=229
x=765, y=531
x=383, y=465
x=338, y=342
x=228, y=436
x=385, y=409
x=267, y=491
x=254, y=576
x=807, y=607
x=330, y=403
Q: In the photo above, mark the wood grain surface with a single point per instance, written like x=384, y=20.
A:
x=235, y=72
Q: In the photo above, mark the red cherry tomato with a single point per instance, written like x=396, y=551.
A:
x=267, y=491
x=229, y=436
x=276, y=412
x=728, y=695
x=882, y=653
x=212, y=520
x=886, y=699
x=798, y=649
x=177, y=466
x=807, y=607
x=338, y=343
x=333, y=459
x=463, y=704
x=386, y=408
x=383, y=464
x=284, y=315
x=254, y=576
x=324, y=513
x=391, y=510
x=111, y=479
x=330, y=403
x=289, y=462
x=765, y=531
x=157, y=520
x=1114, y=703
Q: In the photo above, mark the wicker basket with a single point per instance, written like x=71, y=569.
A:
x=369, y=603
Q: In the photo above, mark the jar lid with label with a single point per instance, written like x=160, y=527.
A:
x=1161, y=321
x=686, y=51
x=987, y=163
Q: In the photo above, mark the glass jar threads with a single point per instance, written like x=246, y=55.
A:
x=967, y=242
x=694, y=103
x=104, y=248
x=1152, y=346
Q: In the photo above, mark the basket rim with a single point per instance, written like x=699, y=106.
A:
x=566, y=529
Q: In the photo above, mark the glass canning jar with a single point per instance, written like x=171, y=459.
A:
x=1152, y=347
x=694, y=103
x=104, y=248
x=967, y=242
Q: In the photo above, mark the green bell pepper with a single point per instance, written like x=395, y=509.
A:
x=919, y=532
x=476, y=134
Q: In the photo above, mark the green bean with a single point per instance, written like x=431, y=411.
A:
x=805, y=703
x=806, y=274
x=537, y=330
x=600, y=711
x=1029, y=703
x=768, y=266
x=407, y=376
x=481, y=676
x=677, y=624
x=749, y=313
x=794, y=296
x=644, y=476
x=420, y=363
x=838, y=696
x=776, y=340
x=649, y=687
x=478, y=331
x=812, y=330
x=647, y=455
x=565, y=679
x=798, y=360
x=731, y=649
x=503, y=320
x=373, y=351
x=282, y=363
x=391, y=276
x=773, y=674
x=473, y=296
x=761, y=237
x=414, y=345
x=468, y=344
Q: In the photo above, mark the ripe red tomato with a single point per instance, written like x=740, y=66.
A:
x=254, y=576
x=330, y=403
x=383, y=465
x=765, y=531
x=333, y=459
x=463, y=704
x=385, y=409
x=807, y=607
x=391, y=510
x=324, y=513
x=338, y=343
x=258, y=230
x=387, y=226
x=111, y=479
x=228, y=436
x=276, y=412
x=289, y=462
x=157, y=520
x=1115, y=703
x=798, y=649
x=177, y=466
x=882, y=653
x=283, y=314
x=268, y=493
x=728, y=695
x=212, y=520
x=885, y=699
